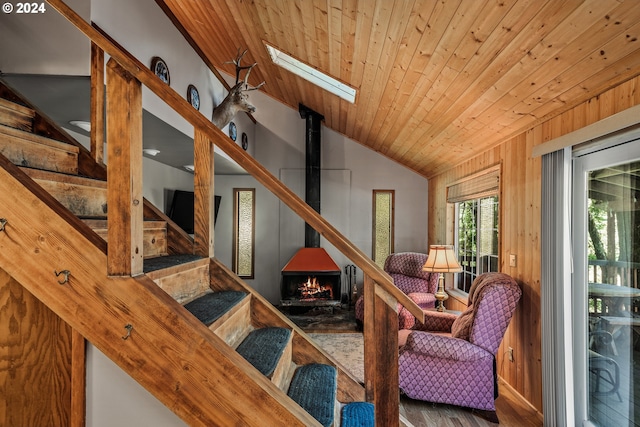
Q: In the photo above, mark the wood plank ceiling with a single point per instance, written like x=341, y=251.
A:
x=438, y=81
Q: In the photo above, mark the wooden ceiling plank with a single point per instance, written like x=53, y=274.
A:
x=400, y=21
x=348, y=39
x=322, y=25
x=428, y=98
x=365, y=13
x=558, y=61
x=373, y=60
x=500, y=52
x=546, y=112
x=248, y=19
x=291, y=42
x=347, y=57
x=334, y=36
x=399, y=78
x=439, y=43
x=520, y=82
x=529, y=22
x=431, y=56
x=620, y=54
x=629, y=68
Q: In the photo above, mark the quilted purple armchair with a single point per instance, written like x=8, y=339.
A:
x=405, y=268
x=455, y=362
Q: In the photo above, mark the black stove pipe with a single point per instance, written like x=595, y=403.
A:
x=312, y=166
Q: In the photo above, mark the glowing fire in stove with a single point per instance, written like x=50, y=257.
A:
x=313, y=290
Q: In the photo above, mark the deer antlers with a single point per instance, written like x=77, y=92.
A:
x=237, y=99
x=239, y=69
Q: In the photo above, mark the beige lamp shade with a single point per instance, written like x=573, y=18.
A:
x=442, y=259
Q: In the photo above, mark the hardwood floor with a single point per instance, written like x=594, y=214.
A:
x=511, y=413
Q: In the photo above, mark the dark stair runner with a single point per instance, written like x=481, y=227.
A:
x=313, y=387
x=210, y=307
x=264, y=347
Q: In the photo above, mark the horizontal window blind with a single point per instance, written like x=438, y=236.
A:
x=483, y=184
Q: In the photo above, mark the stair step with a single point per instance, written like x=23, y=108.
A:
x=154, y=235
x=235, y=325
x=211, y=306
x=358, y=414
x=34, y=151
x=183, y=276
x=16, y=116
x=264, y=347
x=313, y=387
x=84, y=197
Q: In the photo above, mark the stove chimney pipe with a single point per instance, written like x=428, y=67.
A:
x=312, y=166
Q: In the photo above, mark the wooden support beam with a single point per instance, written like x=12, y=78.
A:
x=78, y=379
x=97, y=103
x=124, y=173
x=204, y=200
x=368, y=326
x=381, y=353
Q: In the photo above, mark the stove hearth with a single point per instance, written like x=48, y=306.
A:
x=310, y=279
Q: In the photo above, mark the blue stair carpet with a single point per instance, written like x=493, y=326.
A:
x=209, y=307
x=264, y=347
x=358, y=414
x=160, y=262
x=313, y=387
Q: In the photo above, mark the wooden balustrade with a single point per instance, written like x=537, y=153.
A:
x=614, y=272
x=381, y=321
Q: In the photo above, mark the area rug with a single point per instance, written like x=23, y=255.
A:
x=346, y=348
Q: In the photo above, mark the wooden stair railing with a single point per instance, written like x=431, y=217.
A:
x=381, y=381
x=169, y=352
x=179, y=241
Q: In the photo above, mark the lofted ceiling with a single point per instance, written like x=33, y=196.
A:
x=438, y=81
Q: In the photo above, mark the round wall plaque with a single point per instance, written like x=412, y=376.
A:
x=193, y=96
x=160, y=69
x=233, y=132
x=245, y=141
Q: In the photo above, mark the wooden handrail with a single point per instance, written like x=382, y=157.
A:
x=260, y=173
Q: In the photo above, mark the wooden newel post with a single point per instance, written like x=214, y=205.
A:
x=204, y=199
x=124, y=173
x=97, y=103
x=381, y=353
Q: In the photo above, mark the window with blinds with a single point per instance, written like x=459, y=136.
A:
x=476, y=224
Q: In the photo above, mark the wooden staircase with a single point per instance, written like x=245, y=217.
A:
x=187, y=320
x=197, y=374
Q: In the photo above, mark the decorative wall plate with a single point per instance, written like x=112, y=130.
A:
x=193, y=96
x=233, y=132
x=160, y=69
x=245, y=141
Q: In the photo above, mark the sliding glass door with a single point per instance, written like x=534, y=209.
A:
x=606, y=286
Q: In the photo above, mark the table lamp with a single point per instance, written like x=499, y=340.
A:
x=441, y=259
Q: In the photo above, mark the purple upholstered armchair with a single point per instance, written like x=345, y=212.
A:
x=455, y=363
x=405, y=268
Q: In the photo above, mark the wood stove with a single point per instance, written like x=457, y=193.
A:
x=312, y=279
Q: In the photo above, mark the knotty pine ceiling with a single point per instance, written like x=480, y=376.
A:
x=438, y=81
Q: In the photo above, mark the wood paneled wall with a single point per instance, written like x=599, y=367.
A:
x=520, y=226
x=35, y=360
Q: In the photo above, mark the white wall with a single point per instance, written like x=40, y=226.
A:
x=44, y=43
x=279, y=141
x=115, y=399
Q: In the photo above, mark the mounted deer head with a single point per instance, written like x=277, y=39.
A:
x=237, y=99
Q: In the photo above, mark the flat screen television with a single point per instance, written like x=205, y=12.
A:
x=181, y=210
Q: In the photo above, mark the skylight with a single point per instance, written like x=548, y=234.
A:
x=311, y=74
